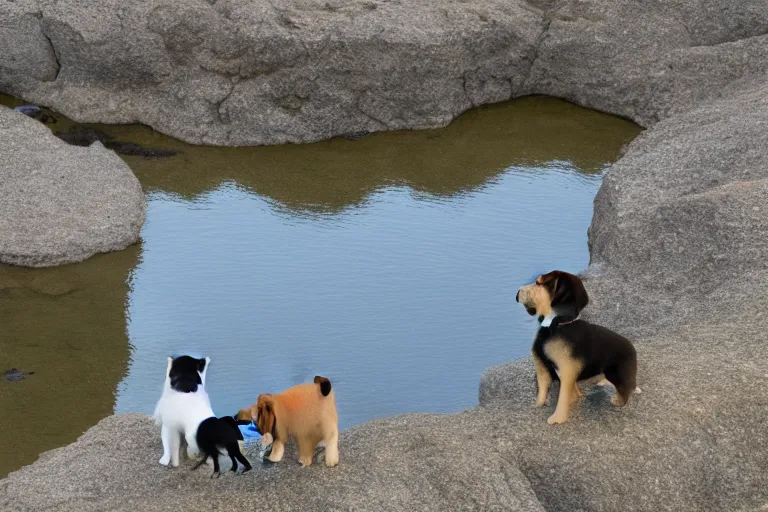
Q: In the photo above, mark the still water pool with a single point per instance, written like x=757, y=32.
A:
x=388, y=264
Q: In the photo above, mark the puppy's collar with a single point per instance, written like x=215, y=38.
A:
x=569, y=321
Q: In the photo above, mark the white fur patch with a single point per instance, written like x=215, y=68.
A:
x=547, y=321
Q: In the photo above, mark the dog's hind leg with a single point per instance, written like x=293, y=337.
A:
x=216, y=468
x=332, y=449
x=235, y=453
x=171, y=446
x=167, y=436
x=622, y=376
x=200, y=462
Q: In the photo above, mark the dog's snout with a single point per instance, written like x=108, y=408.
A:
x=517, y=296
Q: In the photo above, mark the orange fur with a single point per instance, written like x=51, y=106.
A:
x=301, y=412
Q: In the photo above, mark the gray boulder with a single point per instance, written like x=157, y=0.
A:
x=248, y=73
x=60, y=203
x=236, y=72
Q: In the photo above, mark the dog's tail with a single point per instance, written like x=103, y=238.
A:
x=325, y=385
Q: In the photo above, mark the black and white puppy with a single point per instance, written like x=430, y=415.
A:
x=185, y=413
x=569, y=349
x=183, y=405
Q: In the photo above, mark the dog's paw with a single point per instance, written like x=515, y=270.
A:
x=266, y=440
x=557, y=419
x=617, y=400
x=541, y=402
x=305, y=461
x=191, y=455
x=165, y=460
x=331, y=461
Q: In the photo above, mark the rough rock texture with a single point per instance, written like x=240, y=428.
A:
x=247, y=72
x=678, y=247
x=61, y=203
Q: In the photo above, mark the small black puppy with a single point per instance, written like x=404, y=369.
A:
x=215, y=432
x=234, y=423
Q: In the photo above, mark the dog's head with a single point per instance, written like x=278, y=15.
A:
x=554, y=293
x=263, y=415
x=185, y=373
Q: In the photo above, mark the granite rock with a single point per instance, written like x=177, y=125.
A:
x=60, y=203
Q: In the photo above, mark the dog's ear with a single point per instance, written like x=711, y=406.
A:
x=567, y=290
x=203, y=365
x=170, y=364
x=266, y=421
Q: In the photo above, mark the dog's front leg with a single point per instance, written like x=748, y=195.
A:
x=568, y=378
x=278, y=448
x=332, y=450
x=543, y=381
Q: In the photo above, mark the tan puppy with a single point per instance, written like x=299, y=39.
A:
x=306, y=412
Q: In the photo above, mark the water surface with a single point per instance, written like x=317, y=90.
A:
x=388, y=264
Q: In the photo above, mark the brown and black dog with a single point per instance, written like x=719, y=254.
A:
x=306, y=412
x=569, y=349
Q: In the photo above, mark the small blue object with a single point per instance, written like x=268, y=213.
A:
x=30, y=110
x=249, y=432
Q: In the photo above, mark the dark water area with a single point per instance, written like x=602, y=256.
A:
x=388, y=264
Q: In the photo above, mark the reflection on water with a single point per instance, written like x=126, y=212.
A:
x=68, y=325
x=388, y=264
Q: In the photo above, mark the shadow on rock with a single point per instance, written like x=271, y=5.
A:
x=84, y=136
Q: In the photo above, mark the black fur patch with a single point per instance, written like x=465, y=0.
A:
x=233, y=423
x=184, y=373
x=214, y=432
x=599, y=349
